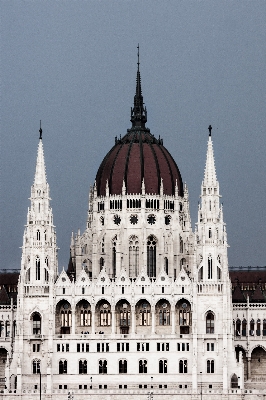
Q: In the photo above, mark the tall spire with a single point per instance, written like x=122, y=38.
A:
x=210, y=172
x=138, y=112
x=40, y=173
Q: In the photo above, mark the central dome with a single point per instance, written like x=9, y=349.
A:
x=138, y=157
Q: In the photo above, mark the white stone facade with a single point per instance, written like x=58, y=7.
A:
x=146, y=311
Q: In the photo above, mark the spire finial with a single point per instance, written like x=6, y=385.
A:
x=138, y=57
x=138, y=112
x=210, y=130
x=40, y=130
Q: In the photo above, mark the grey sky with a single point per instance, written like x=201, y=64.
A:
x=72, y=64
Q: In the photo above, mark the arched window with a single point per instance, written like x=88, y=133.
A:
x=122, y=366
x=151, y=256
x=66, y=316
x=63, y=367
x=238, y=328
x=162, y=366
x=164, y=313
x=133, y=256
x=36, y=366
x=143, y=366
x=114, y=257
x=36, y=324
x=124, y=316
x=244, y=327
x=166, y=264
x=182, y=263
x=181, y=245
x=82, y=366
x=183, y=366
x=105, y=317
x=46, y=275
x=38, y=235
x=219, y=273
x=101, y=263
x=209, y=267
x=102, y=367
x=210, y=323
x=210, y=233
x=144, y=316
x=28, y=275
x=201, y=274
x=234, y=381
x=210, y=366
x=38, y=269
x=252, y=327
x=85, y=317
x=258, y=327
x=264, y=327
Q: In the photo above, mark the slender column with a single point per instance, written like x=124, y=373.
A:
x=249, y=367
x=152, y=319
x=113, y=320
x=93, y=319
x=133, y=320
x=173, y=318
x=73, y=318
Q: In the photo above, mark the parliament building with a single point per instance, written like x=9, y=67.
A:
x=148, y=307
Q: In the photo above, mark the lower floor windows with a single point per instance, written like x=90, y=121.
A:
x=63, y=367
x=162, y=366
x=102, y=367
x=122, y=366
x=183, y=366
x=210, y=366
x=36, y=367
x=82, y=366
x=143, y=366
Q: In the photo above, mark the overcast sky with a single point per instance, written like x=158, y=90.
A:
x=72, y=64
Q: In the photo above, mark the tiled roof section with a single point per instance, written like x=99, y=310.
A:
x=258, y=296
x=248, y=283
x=8, y=286
x=238, y=296
x=4, y=298
x=136, y=157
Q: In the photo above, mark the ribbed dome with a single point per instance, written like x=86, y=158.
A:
x=138, y=156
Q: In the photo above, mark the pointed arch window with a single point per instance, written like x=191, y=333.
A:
x=46, y=275
x=66, y=317
x=28, y=275
x=144, y=317
x=36, y=324
x=82, y=366
x=238, y=327
x=122, y=366
x=143, y=366
x=210, y=323
x=181, y=245
x=101, y=263
x=38, y=235
x=183, y=366
x=102, y=367
x=85, y=317
x=244, y=327
x=36, y=366
x=182, y=263
x=210, y=233
x=210, y=366
x=252, y=327
x=105, y=318
x=166, y=265
x=258, y=327
x=38, y=269
x=201, y=274
x=62, y=367
x=162, y=366
x=219, y=273
x=114, y=257
x=209, y=267
x=151, y=256
x=133, y=256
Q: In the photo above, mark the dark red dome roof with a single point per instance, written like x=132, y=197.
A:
x=137, y=156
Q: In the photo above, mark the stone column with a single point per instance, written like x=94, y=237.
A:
x=153, y=319
x=249, y=367
x=113, y=320
x=93, y=319
x=133, y=319
x=73, y=317
x=173, y=318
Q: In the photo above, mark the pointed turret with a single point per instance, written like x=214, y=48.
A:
x=39, y=251
x=211, y=236
x=138, y=112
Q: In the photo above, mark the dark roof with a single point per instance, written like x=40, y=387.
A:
x=248, y=282
x=8, y=286
x=238, y=296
